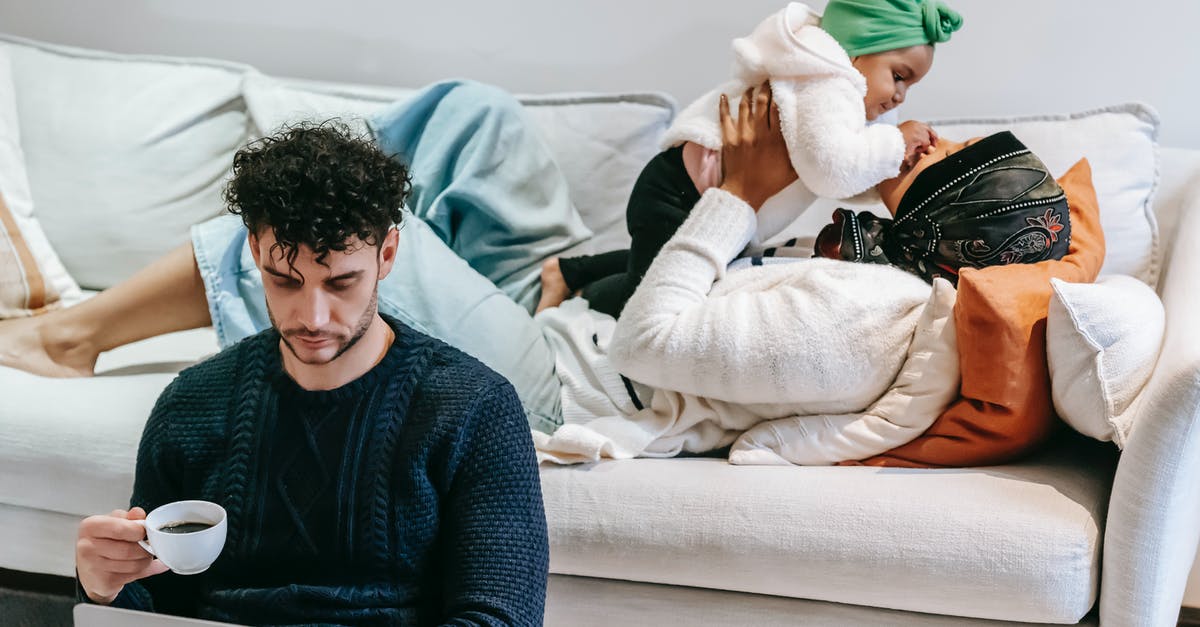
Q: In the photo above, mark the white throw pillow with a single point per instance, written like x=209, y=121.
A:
x=124, y=152
x=601, y=142
x=925, y=386
x=1102, y=341
x=32, y=278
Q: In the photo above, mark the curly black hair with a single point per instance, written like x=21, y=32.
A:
x=319, y=185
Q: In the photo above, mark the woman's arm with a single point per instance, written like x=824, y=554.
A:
x=768, y=335
x=672, y=334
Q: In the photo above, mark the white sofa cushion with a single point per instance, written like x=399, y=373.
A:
x=124, y=152
x=274, y=103
x=69, y=445
x=1102, y=341
x=600, y=141
x=1017, y=542
x=1121, y=144
x=32, y=278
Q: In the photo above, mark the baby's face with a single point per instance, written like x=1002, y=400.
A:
x=890, y=74
x=893, y=189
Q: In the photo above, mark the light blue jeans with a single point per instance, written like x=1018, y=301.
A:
x=488, y=206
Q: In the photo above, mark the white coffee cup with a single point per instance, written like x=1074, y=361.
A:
x=185, y=553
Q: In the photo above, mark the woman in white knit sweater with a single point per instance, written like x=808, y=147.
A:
x=811, y=348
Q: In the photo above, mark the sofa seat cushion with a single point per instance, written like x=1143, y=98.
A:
x=69, y=445
x=1019, y=542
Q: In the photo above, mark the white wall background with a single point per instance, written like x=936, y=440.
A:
x=1015, y=56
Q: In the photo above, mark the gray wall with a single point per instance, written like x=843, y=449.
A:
x=1013, y=56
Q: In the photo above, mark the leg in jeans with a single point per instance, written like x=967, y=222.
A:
x=484, y=181
x=166, y=296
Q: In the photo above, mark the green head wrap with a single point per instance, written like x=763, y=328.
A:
x=870, y=26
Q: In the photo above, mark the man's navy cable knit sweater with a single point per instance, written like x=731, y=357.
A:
x=408, y=496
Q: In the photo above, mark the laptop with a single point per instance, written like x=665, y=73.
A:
x=88, y=615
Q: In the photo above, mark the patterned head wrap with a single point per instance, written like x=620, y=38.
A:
x=991, y=203
x=870, y=26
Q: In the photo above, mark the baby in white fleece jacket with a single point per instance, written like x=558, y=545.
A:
x=829, y=76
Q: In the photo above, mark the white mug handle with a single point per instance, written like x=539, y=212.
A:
x=143, y=543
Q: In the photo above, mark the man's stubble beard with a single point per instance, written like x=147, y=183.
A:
x=364, y=323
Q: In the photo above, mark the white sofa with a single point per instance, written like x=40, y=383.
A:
x=124, y=152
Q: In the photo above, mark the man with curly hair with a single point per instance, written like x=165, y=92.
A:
x=371, y=474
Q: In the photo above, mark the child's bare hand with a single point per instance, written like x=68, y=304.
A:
x=919, y=138
x=754, y=158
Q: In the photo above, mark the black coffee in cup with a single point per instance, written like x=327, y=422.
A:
x=184, y=527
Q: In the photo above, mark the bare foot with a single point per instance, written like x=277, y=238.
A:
x=554, y=286
x=49, y=350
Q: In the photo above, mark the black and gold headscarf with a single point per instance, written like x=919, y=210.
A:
x=991, y=203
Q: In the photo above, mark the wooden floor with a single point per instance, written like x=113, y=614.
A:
x=34, y=600
x=29, y=600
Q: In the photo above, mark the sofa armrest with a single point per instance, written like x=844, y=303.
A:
x=1153, y=523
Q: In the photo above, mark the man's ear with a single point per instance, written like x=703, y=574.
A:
x=387, y=252
x=252, y=239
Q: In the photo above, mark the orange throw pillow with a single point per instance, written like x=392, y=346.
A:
x=1005, y=409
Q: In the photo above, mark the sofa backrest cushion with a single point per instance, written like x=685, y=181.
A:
x=124, y=152
x=601, y=142
x=1121, y=144
x=1119, y=141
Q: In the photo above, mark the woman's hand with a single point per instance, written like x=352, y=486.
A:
x=754, y=158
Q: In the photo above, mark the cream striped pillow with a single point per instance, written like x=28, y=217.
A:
x=32, y=278
x=23, y=289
